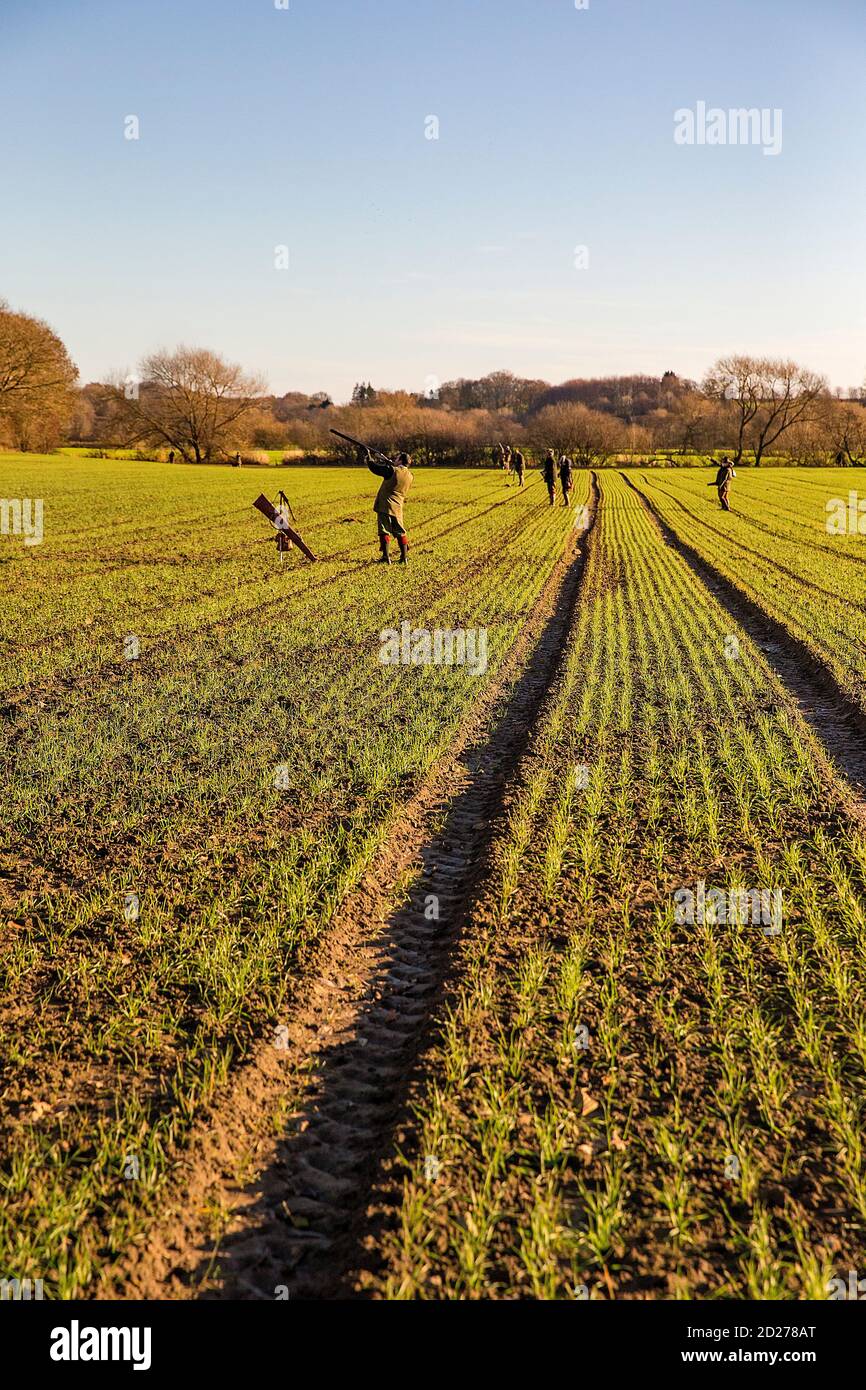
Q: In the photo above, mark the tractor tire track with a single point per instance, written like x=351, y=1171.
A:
x=830, y=712
x=359, y=1018
x=756, y=555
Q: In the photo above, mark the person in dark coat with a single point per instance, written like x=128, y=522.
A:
x=548, y=468
x=565, y=479
x=723, y=482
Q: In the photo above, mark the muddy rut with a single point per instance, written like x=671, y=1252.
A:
x=271, y=1199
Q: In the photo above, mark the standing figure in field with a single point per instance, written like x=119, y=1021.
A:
x=723, y=482
x=388, y=506
x=565, y=478
x=507, y=460
x=549, y=470
x=518, y=463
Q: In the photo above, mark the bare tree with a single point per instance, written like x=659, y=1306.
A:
x=766, y=397
x=190, y=399
x=590, y=437
x=36, y=380
x=844, y=430
x=693, y=424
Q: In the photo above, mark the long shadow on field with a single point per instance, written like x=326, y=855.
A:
x=367, y=1012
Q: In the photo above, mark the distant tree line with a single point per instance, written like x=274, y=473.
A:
x=194, y=404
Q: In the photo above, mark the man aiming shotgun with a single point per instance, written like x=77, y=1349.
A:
x=393, y=491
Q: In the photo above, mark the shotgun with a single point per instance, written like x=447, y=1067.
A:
x=358, y=445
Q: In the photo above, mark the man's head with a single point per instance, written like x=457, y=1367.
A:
x=404, y=460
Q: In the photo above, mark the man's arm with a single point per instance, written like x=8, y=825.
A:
x=382, y=470
x=378, y=463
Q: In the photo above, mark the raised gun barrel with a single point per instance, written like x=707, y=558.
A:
x=359, y=445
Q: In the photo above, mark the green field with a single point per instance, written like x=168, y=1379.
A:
x=604, y=1169
x=619, y=1103
x=156, y=777
x=775, y=546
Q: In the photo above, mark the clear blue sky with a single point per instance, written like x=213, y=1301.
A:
x=413, y=258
